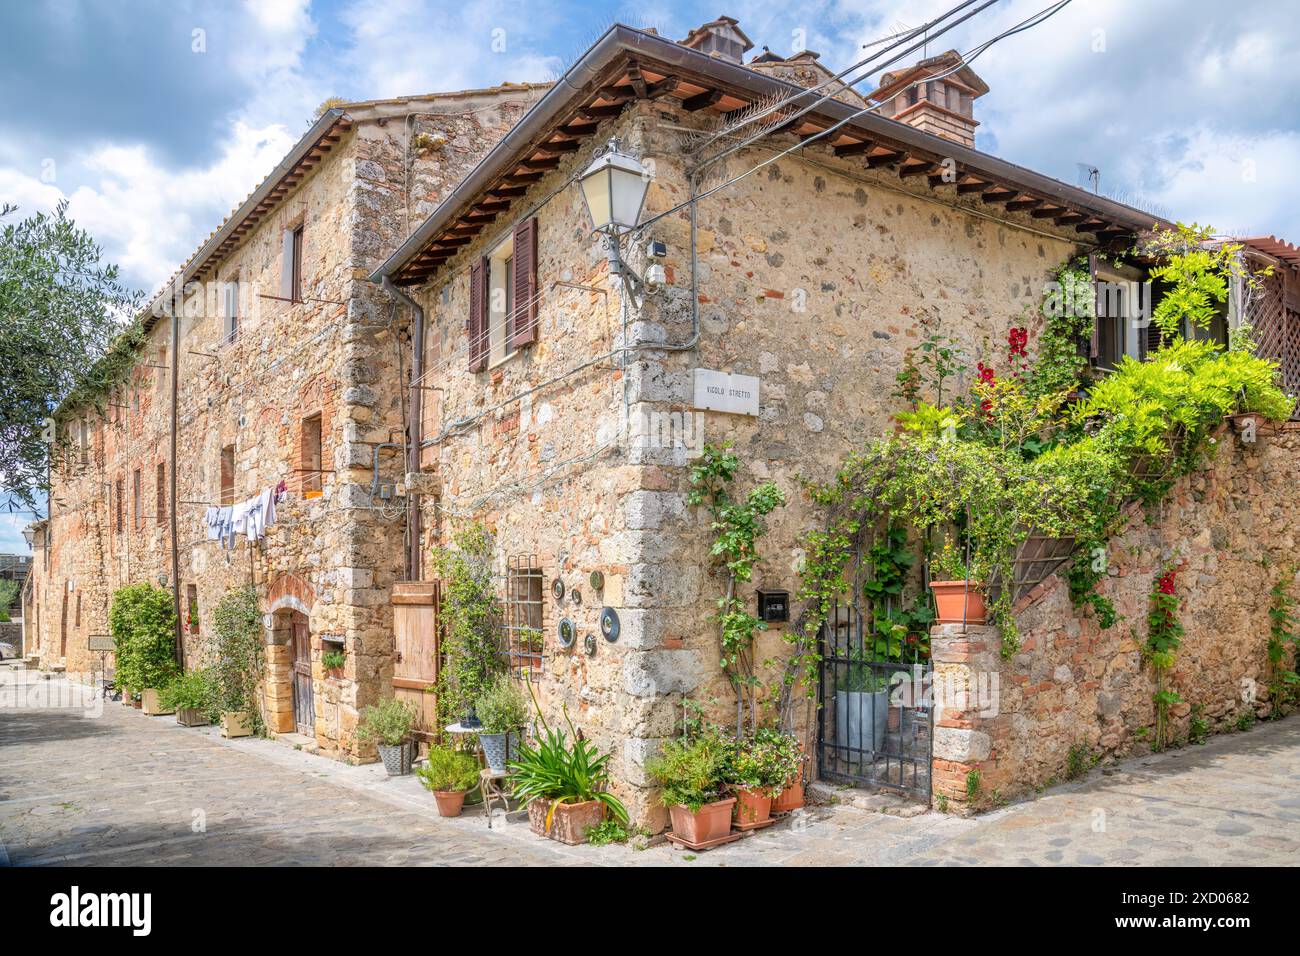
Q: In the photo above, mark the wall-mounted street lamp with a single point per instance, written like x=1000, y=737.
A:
x=29, y=535
x=614, y=188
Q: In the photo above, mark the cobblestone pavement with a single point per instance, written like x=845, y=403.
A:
x=118, y=788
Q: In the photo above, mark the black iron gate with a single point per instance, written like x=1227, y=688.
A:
x=874, y=725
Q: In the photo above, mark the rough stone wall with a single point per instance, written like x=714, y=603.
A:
x=1230, y=529
x=814, y=276
x=332, y=557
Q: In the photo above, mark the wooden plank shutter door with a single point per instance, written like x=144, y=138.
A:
x=286, y=265
x=524, y=308
x=476, y=327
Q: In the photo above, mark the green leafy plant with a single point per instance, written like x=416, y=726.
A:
x=8, y=591
x=142, y=622
x=765, y=762
x=448, y=770
x=471, y=616
x=1078, y=761
x=736, y=526
x=1199, y=729
x=1164, y=635
x=240, y=653
x=973, y=784
x=1283, y=642
x=193, y=690
x=1198, y=271
x=607, y=832
x=692, y=771
x=559, y=771
x=333, y=660
x=388, y=722
x=501, y=707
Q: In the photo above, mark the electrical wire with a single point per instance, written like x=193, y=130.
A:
x=1041, y=16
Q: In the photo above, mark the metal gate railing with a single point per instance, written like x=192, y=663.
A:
x=874, y=723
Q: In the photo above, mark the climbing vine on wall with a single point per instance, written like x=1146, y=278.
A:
x=737, y=524
x=471, y=614
x=1164, y=635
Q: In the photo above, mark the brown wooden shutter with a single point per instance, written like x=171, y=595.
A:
x=1094, y=344
x=477, y=326
x=524, y=308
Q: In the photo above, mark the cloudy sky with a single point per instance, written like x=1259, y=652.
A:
x=155, y=117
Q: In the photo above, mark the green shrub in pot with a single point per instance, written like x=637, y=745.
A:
x=693, y=772
x=388, y=724
x=193, y=695
x=563, y=784
x=449, y=774
x=503, y=711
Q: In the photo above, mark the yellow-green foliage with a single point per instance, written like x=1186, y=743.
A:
x=1167, y=404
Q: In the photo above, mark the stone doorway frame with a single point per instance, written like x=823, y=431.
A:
x=287, y=593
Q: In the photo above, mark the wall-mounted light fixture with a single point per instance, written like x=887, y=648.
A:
x=614, y=188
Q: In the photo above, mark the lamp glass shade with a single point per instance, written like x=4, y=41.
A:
x=614, y=188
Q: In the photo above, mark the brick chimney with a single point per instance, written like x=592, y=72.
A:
x=722, y=38
x=805, y=69
x=944, y=107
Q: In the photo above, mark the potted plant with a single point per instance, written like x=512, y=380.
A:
x=503, y=711
x=450, y=774
x=564, y=785
x=958, y=596
x=790, y=757
x=389, y=724
x=142, y=623
x=240, y=656
x=861, y=707
x=693, y=774
x=332, y=662
x=756, y=773
x=192, y=696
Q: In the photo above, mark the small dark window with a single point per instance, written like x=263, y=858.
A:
x=228, y=475
x=311, y=456
x=135, y=499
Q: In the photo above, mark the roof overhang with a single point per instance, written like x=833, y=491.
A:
x=627, y=64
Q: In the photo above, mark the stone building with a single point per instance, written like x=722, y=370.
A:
x=288, y=376
x=562, y=406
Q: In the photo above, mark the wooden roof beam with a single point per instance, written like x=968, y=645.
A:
x=915, y=169
x=999, y=195
x=701, y=101
x=885, y=159
x=1051, y=212
x=855, y=149
x=1069, y=218
x=1023, y=205
x=977, y=187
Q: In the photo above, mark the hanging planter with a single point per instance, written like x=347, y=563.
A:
x=959, y=602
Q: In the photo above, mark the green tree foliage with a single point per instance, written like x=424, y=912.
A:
x=61, y=307
x=240, y=652
x=142, y=623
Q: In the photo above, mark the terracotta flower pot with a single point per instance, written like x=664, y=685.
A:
x=570, y=821
x=958, y=602
x=450, y=802
x=711, y=822
x=791, y=798
x=753, y=806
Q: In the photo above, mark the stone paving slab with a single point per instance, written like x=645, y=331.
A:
x=92, y=783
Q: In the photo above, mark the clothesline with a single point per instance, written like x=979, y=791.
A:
x=250, y=517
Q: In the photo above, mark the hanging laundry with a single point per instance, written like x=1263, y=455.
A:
x=261, y=514
x=212, y=521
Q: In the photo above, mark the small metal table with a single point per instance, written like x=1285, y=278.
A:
x=491, y=785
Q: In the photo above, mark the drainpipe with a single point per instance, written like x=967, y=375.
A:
x=176, y=557
x=415, y=426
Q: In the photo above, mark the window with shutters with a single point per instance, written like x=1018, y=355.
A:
x=228, y=475
x=77, y=621
x=135, y=499
x=311, y=456
x=229, y=311
x=291, y=265
x=118, y=492
x=503, y=298
x=160, y=489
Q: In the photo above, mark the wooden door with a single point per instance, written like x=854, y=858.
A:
x=415, y=649
x=304, y=707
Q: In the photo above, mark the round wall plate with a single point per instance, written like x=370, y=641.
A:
x=576, y=596
x=589, y=644
x=597, y=580
x=557, y=589
x=566, y=633
x=609, y=625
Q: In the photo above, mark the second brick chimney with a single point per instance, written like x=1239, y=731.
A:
x=942, y=106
